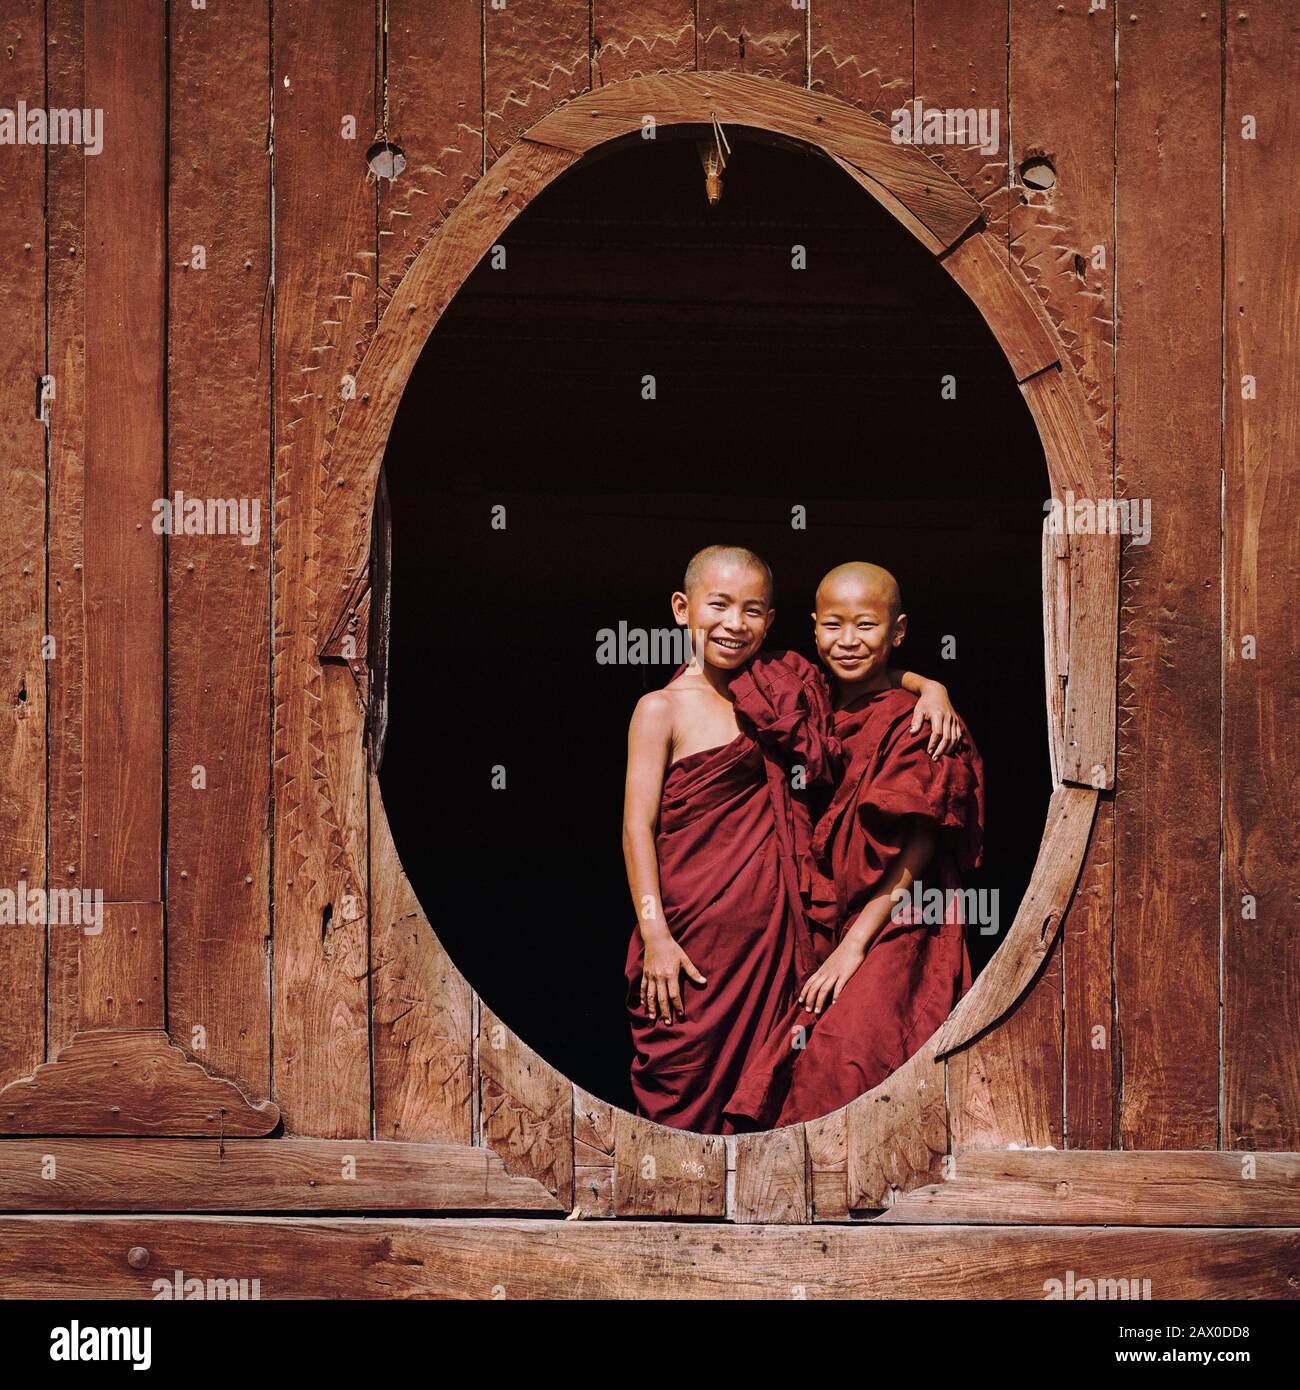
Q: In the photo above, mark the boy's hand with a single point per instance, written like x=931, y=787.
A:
x=824, y=986
x=662, y=963
x=934, y=708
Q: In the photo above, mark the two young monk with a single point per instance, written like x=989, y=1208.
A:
x=755, y=912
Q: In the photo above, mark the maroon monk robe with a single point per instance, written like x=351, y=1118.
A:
x=913, y=974
x=729, y=834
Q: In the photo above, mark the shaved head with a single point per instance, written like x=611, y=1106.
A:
x=862, y=579
x=735, y=555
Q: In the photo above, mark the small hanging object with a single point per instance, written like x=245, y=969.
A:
x=714, y=158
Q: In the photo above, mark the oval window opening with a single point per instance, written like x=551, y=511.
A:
x=637, y=371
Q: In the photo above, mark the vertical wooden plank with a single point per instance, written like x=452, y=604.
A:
x=325, y=231
x=121, y=975
x=897, y=1133
x=593, y=1154
x=667, y=1172
x=1061, y=92
x=421, y=1009
x=218, y=586
x=538, y=55
x=772, y=1177
x=960, y=53
x=1087, y=943
x=125, y=289
x=1261, y=1070
x=1010, y=1079
x=862, y=53
x=827, y=1140
x=434, y=113
x=636, y=38
x=766, y=38
x=22, y=541
x=527, y=1108
x=66, y=299
x=1167, y=445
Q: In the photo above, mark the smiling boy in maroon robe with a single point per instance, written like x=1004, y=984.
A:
x=897, y=817
x=716, y=829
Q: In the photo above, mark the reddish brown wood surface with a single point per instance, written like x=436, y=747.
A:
x=667, y=1172
x=129, y=1081
x=422, y=1014
x=537, y=56
x=324, y=72
x=960, y=55
x=434, y=115
x=85, y=1257
x=259, y=1175
x=633, y=38
x=125, y=346
x=862, y=52
x=767, y=38
x=1111, y=1188
x=1261, y=1001
x=772, y=1178
x=22, y=537
x=218, y=586
x=121, y=975
x=65, y=591
x=1168, y=387
x=1061, y=93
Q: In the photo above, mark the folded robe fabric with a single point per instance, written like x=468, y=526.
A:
x=733, y=825
x=914, y=972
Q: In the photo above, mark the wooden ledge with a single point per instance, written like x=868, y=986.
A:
x=129, y=1081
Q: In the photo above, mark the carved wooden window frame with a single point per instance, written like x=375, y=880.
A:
x=1080, y=574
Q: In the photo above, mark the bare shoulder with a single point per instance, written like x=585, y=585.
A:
x=654, y=713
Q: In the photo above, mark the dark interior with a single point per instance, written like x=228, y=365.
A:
x=775, y=388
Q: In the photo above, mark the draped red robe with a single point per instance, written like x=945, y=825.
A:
x=914, y=973
x=733, y=845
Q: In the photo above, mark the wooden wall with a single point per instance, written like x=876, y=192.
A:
x=171, y=749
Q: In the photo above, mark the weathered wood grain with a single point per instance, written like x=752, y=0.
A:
x=527, y=1108
x=218, y=586
x=767, y=38
x=1111, y=1188
x=121, y=975
x=129, y=1081
x=828, y=1161
x=65, y=591
x=772, y=1175
x=434, y=89
x=259, y=1175
x=740, y=99
x=1167, y=448
x=22, y=541
x=862, y=52
x=1261, y=998
x=1061, y=84
x=897, y=1133
x=537, y=56
x=636, y=38
x=978, y=264
x=85, y=1257
x=960, y=57
x=1061, y=91
x=1030, y=936
x=667, y=1172
x=1080, y=470
x=324, y=68
x=421, y=1008
x=125, y=346
x=1087, y=964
